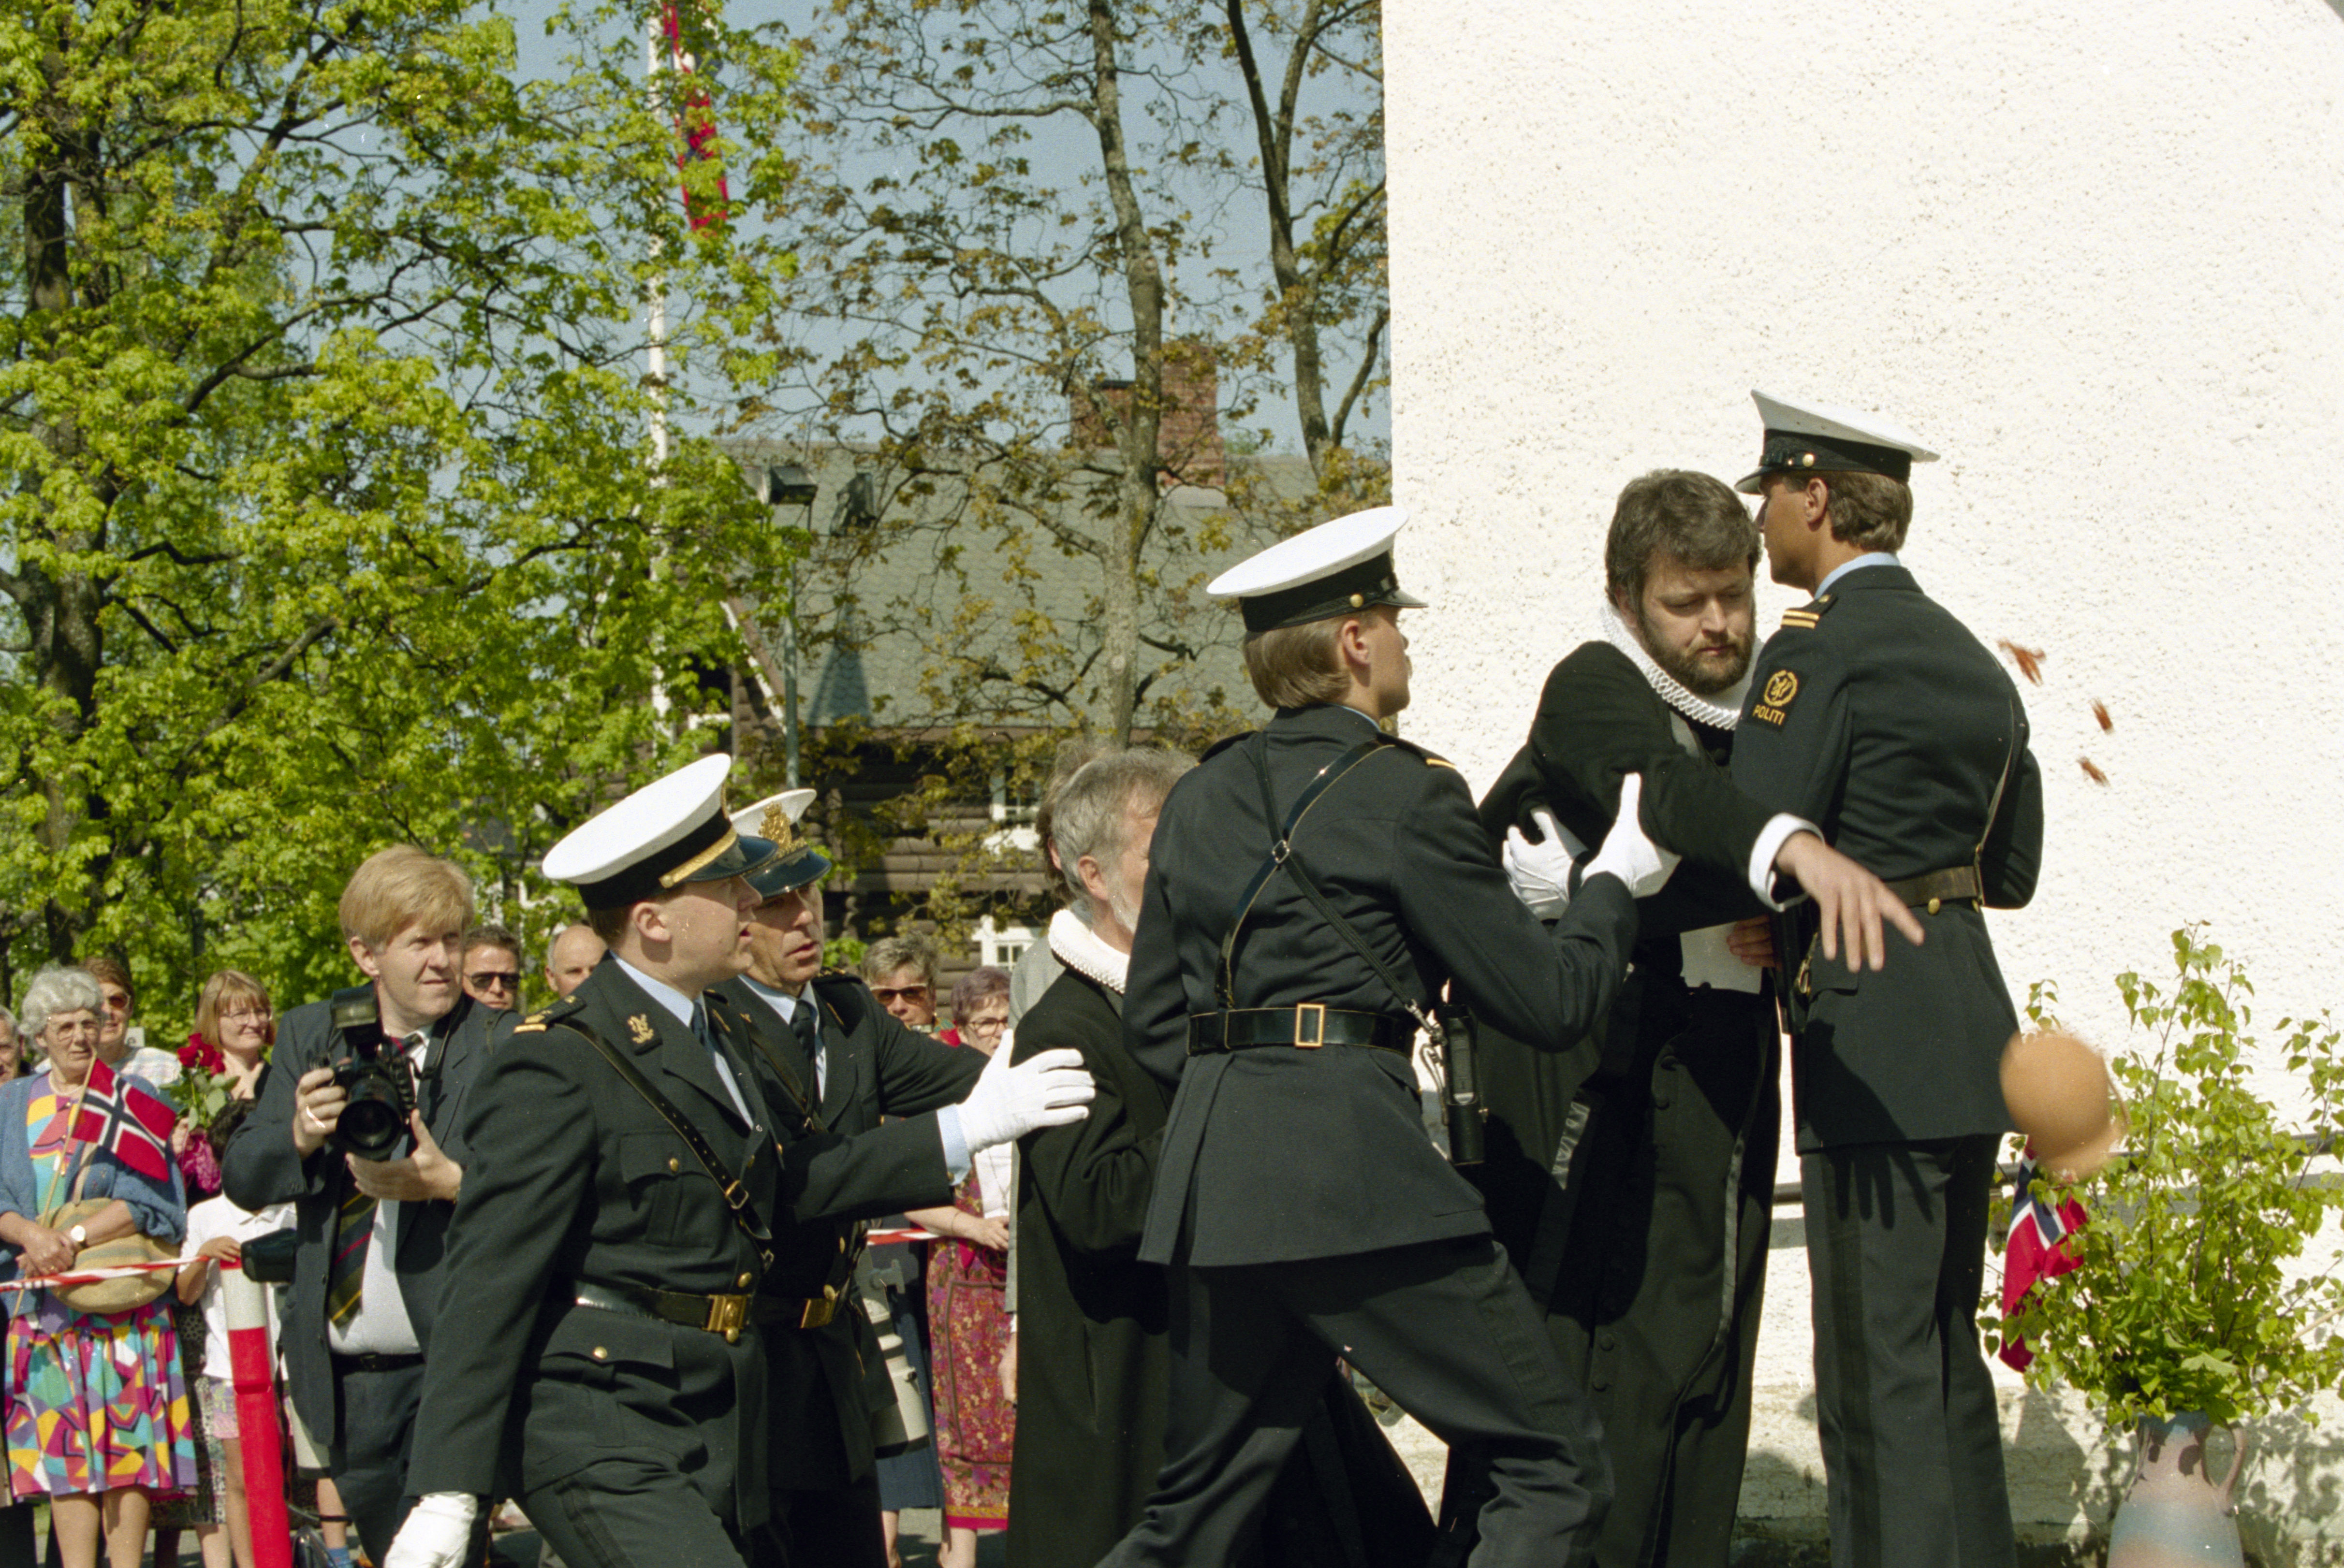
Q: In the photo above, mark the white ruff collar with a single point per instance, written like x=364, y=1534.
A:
x=1723, y=711
x=1078, y=947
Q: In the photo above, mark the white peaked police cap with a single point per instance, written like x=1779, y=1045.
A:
x=1818, y=437
x=796, y=861
x=1340, y=565
x=671, y=831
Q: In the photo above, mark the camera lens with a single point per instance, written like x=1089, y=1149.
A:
x=373, y=1125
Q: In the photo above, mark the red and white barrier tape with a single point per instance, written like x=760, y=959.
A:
x=882, y=1238
x=90, y=1276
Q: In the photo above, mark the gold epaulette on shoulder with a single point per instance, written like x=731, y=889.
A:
x=536, y=1022
x=1807, y=616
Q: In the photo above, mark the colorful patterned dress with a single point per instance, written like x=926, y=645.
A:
x=94, y=1403
x=974, y=1425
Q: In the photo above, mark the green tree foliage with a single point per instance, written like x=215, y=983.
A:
x=329, y=520
x=2191, y=1292
x=1019, y=302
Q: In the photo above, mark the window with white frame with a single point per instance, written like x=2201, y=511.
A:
x=1002, y=946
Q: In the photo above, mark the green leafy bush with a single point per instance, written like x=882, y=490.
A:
x=2181, y=1300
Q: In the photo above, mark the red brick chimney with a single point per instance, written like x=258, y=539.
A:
x=1189, y=438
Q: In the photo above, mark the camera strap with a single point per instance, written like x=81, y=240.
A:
x=736, y=1195
x=1283, y=853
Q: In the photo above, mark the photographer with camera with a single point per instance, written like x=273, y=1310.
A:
x=357, y=1125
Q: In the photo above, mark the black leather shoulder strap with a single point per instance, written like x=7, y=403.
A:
x=736, y=1196
x=1283, y=853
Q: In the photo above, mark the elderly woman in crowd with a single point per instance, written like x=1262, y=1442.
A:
x=98, y=1413
x=902, y=973
x=968, y=1323
x=980, y=1008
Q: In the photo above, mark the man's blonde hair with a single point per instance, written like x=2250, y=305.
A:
x=1298, y=665
x=401, y=887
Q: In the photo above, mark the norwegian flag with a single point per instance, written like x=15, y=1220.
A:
x=2037, y=1251
x=697, y=121
x=125, y=1119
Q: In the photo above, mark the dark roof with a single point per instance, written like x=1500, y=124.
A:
x=914, y=587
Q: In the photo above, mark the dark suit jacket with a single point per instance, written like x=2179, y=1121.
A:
x=1281, y=1153
x=261, y=1167
x=576, y=1179
x=840, y=1166
x=1093, y=1373
x=1876, y=714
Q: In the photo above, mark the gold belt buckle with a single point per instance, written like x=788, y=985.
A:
x=727, y=1315
x=819, y=1312
x=1317, y=1012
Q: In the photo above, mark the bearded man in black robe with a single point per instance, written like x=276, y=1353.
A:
x=1631, y=1179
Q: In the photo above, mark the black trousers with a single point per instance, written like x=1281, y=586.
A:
x=1912, y=1441
x=624, y=1513
x=369, y=1458
x=1443, y=1327
x=831, y=1527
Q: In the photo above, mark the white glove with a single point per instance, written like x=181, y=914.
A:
x=437, y=1532
x=1541, y=873
x=1050, y=1090
x=1626, y=853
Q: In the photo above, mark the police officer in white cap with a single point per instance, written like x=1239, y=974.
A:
x=602, y=1357
x=1876, y=714
x=1313, y=890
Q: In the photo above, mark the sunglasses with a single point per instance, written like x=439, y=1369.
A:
x=494, y=979
x=886, y=993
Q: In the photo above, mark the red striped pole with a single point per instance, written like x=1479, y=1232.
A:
x=258, y=1436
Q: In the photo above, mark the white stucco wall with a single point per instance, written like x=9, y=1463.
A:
x=2093, y=255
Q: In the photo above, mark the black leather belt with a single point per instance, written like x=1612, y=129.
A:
x=722, y=1315
x=1938, y=889
x=1307, y=1026
x=374, y=1360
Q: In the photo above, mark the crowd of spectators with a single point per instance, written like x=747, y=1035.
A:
x=122, y=1420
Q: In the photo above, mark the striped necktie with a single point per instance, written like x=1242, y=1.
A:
x=353, y=1230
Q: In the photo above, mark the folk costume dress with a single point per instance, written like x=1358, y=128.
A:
x=968, y=1325
x=94, y=1403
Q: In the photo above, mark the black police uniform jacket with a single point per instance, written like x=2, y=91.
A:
x=842, y=1166
x=1094, y=1370
x=1878, y=716
x=576, y=1179
x=262, y=1166
x=1654, y=1277
x=1280, y=1153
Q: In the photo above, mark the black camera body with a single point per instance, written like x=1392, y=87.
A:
x=372, y=1071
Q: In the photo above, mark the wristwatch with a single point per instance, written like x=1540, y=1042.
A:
x=78, y=1236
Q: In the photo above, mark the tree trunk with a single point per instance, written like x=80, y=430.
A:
x=1139, y=436
x=67, y=640
x=1274, y=129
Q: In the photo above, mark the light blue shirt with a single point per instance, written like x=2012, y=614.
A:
x=955, y=1142
x=681, y=1008
x=1869, y=559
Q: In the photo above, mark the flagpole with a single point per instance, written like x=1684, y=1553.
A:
x=655, y=349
